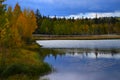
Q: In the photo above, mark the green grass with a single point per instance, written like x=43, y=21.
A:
x=26, y=62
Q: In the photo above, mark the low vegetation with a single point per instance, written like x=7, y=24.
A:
x=24, y=61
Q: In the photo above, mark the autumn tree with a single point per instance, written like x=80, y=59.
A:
x=31, y=24
x=2, y=7
x=2, y=21
x=17, y=11
x=2, y=15
x=15, y=39
x=26, y=24
x=3, y=33
x=9, y=13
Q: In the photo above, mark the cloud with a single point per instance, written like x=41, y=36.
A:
x=68, y=7
x=93, y=15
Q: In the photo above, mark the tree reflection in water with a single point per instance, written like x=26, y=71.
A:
x=96, y=53
x=75, y=64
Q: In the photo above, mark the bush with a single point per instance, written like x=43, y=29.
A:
x=24, y=61
x=14, y=69
x=29, y=70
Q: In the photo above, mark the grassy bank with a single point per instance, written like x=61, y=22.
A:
x=23, y=64
x=75, y=37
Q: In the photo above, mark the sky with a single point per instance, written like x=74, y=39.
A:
x=71, y=8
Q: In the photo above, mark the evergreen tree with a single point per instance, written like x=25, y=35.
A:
x=39, y=20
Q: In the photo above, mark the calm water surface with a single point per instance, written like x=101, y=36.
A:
x=83, y=59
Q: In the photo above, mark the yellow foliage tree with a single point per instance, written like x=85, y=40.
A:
x=26, y=24
x=17, y=11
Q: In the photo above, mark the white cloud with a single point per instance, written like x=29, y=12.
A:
x=67, y=7
x=93, y=15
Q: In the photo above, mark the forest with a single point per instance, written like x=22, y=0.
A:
x=80, y=26
x=19, y=54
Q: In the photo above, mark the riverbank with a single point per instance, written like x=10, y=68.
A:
x=23, y=64
x=74, y=37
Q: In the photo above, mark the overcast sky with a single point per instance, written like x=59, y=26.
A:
x=74, y=8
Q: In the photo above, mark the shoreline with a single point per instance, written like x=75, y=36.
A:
x=24, y=65
x=74, y=37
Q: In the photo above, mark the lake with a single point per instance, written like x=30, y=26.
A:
x=82, y=59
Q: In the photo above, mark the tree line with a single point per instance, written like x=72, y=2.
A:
x=19, y=55
x=71, y=26
x=16, y=26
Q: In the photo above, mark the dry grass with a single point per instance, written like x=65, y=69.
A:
x=25, y=61
x=74, y=37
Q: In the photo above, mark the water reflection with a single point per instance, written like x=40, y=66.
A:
x=84, y=64
x=85, y=53
x=82, y=59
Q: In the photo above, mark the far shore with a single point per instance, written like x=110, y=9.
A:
x=74, y=37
